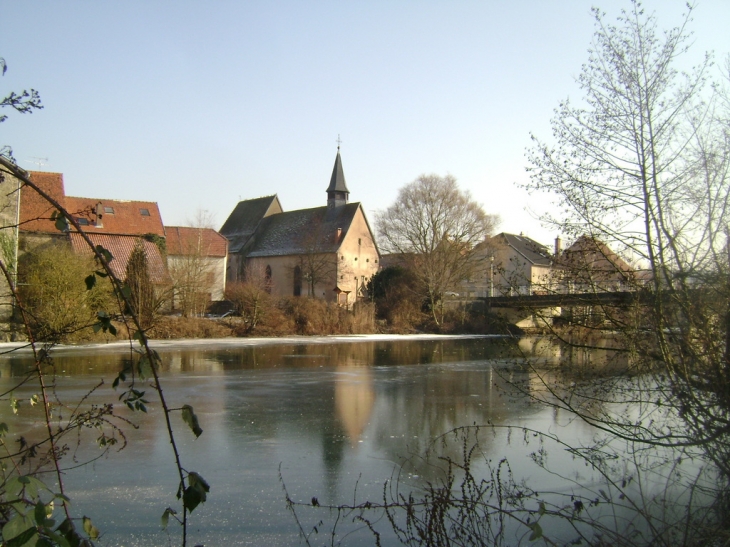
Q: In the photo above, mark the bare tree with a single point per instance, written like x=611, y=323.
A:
x=642, y=165
x=435, y=227
x=251, y=298
x=191, y=270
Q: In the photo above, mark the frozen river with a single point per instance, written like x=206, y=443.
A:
x=332, y=415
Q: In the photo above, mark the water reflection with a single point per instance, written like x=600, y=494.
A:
x=333, y=415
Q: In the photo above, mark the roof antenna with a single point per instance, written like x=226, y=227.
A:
x=338, y=141
x=40, y=162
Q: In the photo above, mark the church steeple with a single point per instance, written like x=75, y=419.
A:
x=337, y=193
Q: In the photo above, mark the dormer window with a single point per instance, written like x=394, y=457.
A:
x=109, y=210
x=144, y=212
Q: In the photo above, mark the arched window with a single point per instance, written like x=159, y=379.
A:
x=268, y=279
x=297, y=281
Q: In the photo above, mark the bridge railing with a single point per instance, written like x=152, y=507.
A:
x=571, y=287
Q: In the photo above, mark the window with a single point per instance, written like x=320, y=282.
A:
x=297, y=281
x=359, y=241
x=83, y=221
x=268, y=279
x=376, y=260
x=109, y=210
x=355, y=259
x=144, y=212
x=367, y=260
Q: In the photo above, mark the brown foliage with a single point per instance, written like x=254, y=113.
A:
x=172, y=328
x=313, y=316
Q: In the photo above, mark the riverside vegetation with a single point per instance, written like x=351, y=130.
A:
x=642, y=164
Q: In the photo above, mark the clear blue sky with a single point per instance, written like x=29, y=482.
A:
x=198, y=104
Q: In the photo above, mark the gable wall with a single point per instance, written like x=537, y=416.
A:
x=358, y=257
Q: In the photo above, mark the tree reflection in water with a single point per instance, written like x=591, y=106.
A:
x=334, y=414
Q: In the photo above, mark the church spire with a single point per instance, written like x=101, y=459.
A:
x=337, y=193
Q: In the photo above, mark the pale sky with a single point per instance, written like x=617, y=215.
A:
x=196, y=105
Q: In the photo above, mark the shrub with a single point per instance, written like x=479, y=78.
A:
x=52, y=288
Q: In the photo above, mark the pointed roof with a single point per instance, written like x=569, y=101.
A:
x=245, y=218
x=337, y=182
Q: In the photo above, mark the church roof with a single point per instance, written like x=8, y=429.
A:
x=337, y=182
x=306, y=231
x=245, y=218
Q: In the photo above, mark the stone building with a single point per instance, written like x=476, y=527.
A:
x=9, y=198
x=325, y=252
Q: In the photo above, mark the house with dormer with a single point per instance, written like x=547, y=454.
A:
x=326, y=252
x=117, y=225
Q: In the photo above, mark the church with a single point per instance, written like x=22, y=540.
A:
x=327, y=252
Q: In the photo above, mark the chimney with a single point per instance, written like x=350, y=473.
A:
x=98, y=211
x=558, y=246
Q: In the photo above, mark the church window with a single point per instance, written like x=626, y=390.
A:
x=297, y=281
x=359, y=241
x=367, y=260
x=268, y=279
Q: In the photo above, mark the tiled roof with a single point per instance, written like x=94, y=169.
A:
x=184, y=240
x=303, y=231
x=111, y=216
x=121, y=248
x=246, y=216
x=117, y=216
x=531, y=250
x=588, y=254
x=35, y=211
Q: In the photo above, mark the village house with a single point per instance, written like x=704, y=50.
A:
x=325, y=252
x=511, y=265
x=118, y=226
x=589, y=265
x=196, y=260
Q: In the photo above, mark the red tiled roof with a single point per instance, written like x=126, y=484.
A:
x=122, y=218
x=110, y=216
x=121, y=247
x=35, y=211
x=184, y=240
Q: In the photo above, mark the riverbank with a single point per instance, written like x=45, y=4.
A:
x=11, y=348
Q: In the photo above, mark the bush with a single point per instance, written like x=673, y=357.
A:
x=171, y=328
x=252, y=300
x=311, y=316
x=53, y=291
